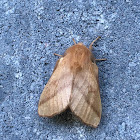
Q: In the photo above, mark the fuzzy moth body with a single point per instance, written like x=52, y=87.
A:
x=73, y=84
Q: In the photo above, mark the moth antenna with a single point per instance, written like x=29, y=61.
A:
x=90, y=47
x=74, y=41
x=58, y=54
x=103, y=59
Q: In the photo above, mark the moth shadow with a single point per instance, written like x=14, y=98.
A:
x=64, y=118
x=103, y=81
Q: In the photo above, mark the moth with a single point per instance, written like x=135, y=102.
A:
x=74, y=84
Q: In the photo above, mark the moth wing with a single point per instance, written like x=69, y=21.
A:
x=56, y=94
x=85, y=98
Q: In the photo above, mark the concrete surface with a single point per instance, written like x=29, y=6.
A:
x=32, y=30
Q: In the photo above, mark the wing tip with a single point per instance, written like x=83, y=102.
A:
x=94, y=125
x=44, y=114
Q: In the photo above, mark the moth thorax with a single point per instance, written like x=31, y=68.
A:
x=76, y=67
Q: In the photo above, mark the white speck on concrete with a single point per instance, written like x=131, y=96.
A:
x=10, y=11
x=18, y=75
x=132, y=64
x=27, y=117
x=35, y=130
x=124, y=90
x=110, y=51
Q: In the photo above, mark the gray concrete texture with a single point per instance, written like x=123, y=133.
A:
x=32, y=30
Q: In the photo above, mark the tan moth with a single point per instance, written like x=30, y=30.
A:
x=74, y=84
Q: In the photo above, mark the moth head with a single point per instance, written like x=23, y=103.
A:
x=80, y=43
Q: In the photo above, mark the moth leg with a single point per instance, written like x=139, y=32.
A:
x=74, y=41
x=58, y=54
x=104, y=59
x=90, y=47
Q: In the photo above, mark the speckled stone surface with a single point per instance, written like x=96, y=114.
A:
x=32, y=30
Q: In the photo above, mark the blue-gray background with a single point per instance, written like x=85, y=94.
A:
x=32, y=30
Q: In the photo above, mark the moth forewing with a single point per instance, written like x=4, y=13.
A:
x=85, y=97
x=55, y=96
